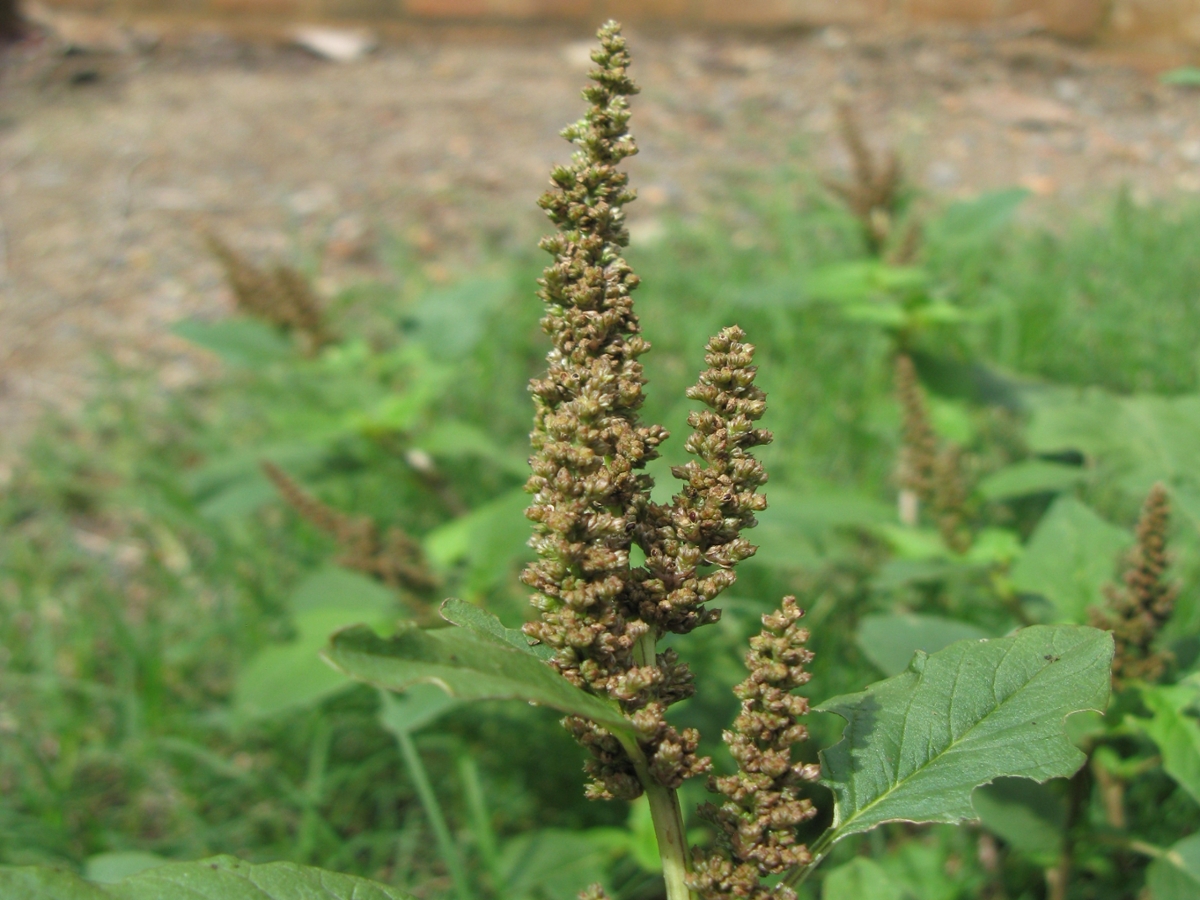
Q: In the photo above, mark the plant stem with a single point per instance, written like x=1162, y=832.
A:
x=314, y=789
x=441, y=831
x=664, y=803
x=481, y=824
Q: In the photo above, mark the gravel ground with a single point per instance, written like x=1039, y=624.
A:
x=113, y=166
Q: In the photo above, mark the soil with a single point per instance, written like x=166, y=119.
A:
x=114, y=164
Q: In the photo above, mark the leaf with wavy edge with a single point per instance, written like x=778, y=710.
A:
x=916, y=745
x=464, y=665
x=219, y=878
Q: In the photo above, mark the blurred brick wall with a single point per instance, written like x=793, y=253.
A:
x=1117, y=20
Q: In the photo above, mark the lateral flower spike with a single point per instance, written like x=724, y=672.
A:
x=703, y=524
x=1137, y=612
x=756, y=823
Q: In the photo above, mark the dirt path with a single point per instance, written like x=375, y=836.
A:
x=105, y=186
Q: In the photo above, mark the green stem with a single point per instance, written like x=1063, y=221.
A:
x=441, y=831
x=664, y=803
x=313, y=790
x=481, y=823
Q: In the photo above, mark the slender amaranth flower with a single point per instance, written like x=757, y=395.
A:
x=1137, y=612
x=756, y=824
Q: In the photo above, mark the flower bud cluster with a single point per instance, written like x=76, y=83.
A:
x=933, y=477
x=600, y=615
x=1137, y=613
x=702, y=526
x=756, y=824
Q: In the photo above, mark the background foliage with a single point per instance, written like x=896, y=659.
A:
x=161, y=608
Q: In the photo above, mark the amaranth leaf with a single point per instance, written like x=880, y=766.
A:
x=916, y=745
x=219, y=878
x=464, y=665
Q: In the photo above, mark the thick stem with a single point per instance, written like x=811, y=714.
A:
x=441, y=831
x=668, y=825
x=664, y=803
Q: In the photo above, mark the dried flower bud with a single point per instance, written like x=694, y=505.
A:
x=1137, y=612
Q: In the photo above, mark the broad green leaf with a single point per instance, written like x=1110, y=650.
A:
x=455, y=439
x=112, y=867
x=292, y=675
x=914, y=543
x=636, y=839
x=1176, y=733
x=451, y=320
x=1029, y=816
x=465, y=666
x=1176, y=876
x=484, y=624
x=400, y=411
x=420, y=705
x=994, y=546
x=951, y=419
x=490, y=539
x=550, y=864
x=333, y=587
x=852, y=282
x=1139, y=440
x=1071, y=556
x=887, y=313
x=915, y=746
x=242, y=342
x=890, y=640
x=798, y=530
x=860, y=879
x=1030, y=476
x=219, y=878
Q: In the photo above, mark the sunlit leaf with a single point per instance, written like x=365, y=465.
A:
x=450, y=320
x=1029, y=816
x=915, y=746
x=112, y=867
x=1176, y=733
x=240, y=341
x=464, y=665
x=1177, y=875
x=418, y=706
x=490, y=539
x=291, y=675
x=860, y=879
x=890, y=640
x=484, y=624
x=1071, y=556
x=455, y=439
x=219, y=878
x=551, y=863
x=1030, y=476
x=1138, y=440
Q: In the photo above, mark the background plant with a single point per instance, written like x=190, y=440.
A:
x=151, y=575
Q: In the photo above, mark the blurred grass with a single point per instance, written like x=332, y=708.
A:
x=130, y=599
